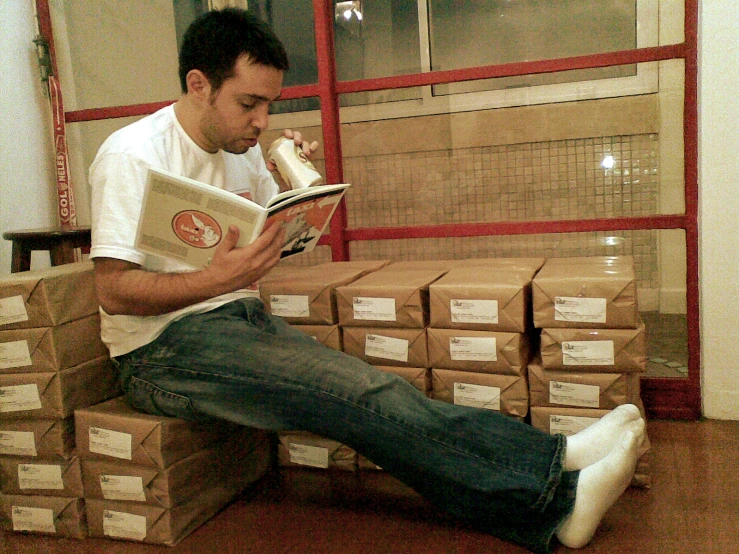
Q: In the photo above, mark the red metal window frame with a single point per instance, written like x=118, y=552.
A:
x=663, y=397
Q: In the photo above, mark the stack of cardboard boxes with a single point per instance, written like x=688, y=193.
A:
x=52, y=362
x=156, y=479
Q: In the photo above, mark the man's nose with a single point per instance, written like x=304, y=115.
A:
x=261, y=117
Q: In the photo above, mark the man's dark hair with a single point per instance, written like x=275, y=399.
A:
x=216, y=39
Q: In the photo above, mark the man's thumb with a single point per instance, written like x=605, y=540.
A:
x=231, y=238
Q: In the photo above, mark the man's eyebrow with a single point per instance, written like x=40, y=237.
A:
x=259, y=97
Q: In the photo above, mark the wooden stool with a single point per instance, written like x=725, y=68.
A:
x=58, y=241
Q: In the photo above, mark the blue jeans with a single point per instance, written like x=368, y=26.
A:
x=241, y=364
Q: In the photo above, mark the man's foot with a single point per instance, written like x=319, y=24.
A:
x=595, y=442
x=598, y=488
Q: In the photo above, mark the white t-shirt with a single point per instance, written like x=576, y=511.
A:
x=118, y=177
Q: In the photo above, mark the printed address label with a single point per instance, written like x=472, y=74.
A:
x=12, y=310
x=124, y=525
x=305, y=455
x=374, y=309
x=574, y=394
x=18, y=398
x=379, y=346
x=122, y=487
x=289, y=305
x=474, y=311
x=588, y=352
x=474, y=349
x=40, y=476
x=14, y=354
x=40, y=520
x=569, y=425
x=18, y=443
x=110, y=443
x=581, y=310
x=477, y=396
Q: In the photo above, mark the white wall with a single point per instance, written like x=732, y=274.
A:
x=27, y=189
x=27, y=198
x=719, y=207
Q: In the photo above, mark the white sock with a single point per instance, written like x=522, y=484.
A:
x=598, y=488
x=595, y=442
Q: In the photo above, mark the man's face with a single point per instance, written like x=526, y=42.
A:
x=237, y=113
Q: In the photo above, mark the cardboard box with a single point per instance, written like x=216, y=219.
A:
x=307, y=295
x=482, y=299
x=507, y=394
x=115, y=430
x=581, y=390
x=57, y=395
x=387, y=298
x=41, y=476
x=599, y=351
x=135, y=521
x=419, y=377
x=327, y=335
x=184, y=479
x=42, y=438
x=386, y=346
x=308, y=450
x=47, y=297
x=479, y=351
x=50, y=515
x=586, y=293
x=46, y=349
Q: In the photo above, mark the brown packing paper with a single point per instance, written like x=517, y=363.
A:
x=595, y=293
x=120, y=432
x=174, y=485
x=307, y=294
x=327, y=335
x=42, y=438
x=47, y=349
x=140, y=522
x=41, y=476
x=419, y=377
x=434, y=265
x=47, y=297
x=530, y=265
x=53, y=515
x=580, y=390
x=507, y=394
x=386, y=346
x=57, y=395
x=308, y=450
x=482, y=298
x=594, y=350
x=478, y=351
x=387, y=298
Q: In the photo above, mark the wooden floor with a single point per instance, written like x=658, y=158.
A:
x=692, y=508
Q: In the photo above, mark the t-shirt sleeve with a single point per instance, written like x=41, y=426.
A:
x=117, y=182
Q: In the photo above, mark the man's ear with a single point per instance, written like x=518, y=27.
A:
x=198, y=84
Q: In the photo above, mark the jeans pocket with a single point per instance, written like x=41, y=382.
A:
x=149, y=398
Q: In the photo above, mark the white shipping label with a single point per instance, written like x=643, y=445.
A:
x=474, y=311
x=40, y=520
x=122, y=487
x=18, y=398
x=304, y=455
x=40, y=476
x=573, y=394
x=588, y=352
x=110, y=443
x=581, y=310
x=17, y=443
x=289, y=305
x=374, y=309
x=124, y=525
x=390, y=348
x=477, y=396
x=475, y=349
x=569, y=425
x=14, y=354
x=12, y=310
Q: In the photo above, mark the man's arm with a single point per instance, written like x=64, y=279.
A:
x=124, y=288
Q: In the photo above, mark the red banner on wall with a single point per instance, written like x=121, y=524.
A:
x=65, y=192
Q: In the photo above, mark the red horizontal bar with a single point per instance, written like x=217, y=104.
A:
x=518, y=228
x=94, y=114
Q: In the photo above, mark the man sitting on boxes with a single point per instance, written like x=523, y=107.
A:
x=198, y=345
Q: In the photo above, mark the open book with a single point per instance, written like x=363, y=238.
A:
x=185, y=220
